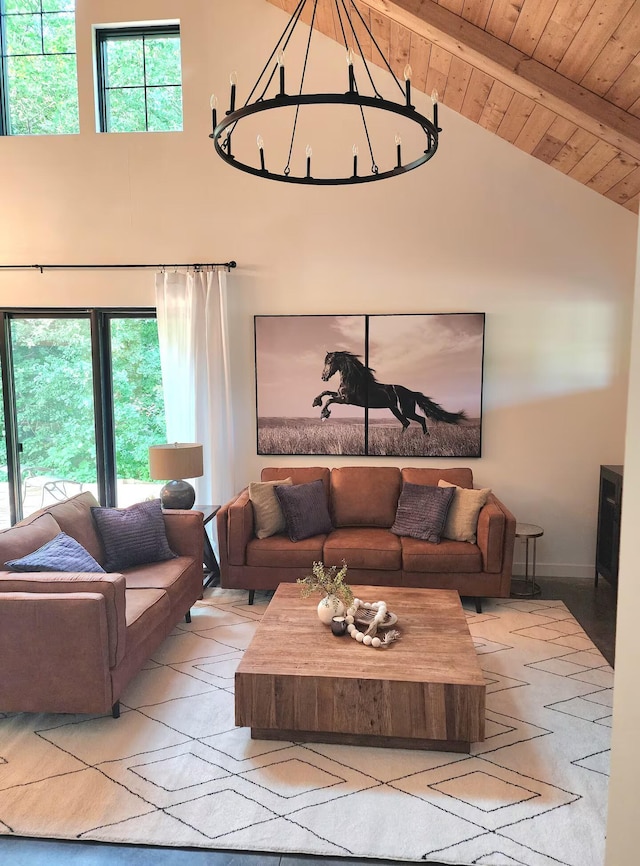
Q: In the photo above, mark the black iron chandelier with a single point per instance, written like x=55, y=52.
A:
x=270, y=93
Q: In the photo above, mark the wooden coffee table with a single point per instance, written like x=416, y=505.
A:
x=297, y=681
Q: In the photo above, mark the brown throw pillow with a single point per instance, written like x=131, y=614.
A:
x=422, y=511
x=462, y=519
x=268, y=518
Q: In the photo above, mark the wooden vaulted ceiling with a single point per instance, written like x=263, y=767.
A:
x=559, y=79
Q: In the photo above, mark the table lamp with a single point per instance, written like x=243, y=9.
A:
x=175, y=462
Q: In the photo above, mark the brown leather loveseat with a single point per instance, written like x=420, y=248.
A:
x=71, y=642
x=362, y=504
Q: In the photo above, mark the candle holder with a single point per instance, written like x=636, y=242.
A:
x=339, y=626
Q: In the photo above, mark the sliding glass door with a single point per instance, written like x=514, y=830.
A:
x=54, y=409
x=83, y=400
x=138, y=405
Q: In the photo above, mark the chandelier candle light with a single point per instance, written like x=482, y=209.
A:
x=267, y=95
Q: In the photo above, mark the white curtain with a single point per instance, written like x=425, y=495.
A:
x=194, y=355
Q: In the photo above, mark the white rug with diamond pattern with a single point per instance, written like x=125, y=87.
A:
x=174, y=770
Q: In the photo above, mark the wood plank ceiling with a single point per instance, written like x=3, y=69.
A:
x=559, y=79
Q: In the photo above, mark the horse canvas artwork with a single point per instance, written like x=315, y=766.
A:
x=359, y=387
x=397, y=385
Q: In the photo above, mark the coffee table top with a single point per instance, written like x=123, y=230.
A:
x=435, y=645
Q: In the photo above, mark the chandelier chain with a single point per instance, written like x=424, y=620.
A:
x=374, y=167
x=292, y=23
x=357, y=41
x=344, y=35
x=379, y=50
x=287, y=168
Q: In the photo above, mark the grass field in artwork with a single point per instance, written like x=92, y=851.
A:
x=346, y=436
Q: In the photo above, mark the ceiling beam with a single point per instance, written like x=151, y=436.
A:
x=517, y=70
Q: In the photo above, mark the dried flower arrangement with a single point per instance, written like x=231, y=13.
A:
x=330, y=581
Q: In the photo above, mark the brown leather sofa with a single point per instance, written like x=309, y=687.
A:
x=71, y=642
x=362, y=503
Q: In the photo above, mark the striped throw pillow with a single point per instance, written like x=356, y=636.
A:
x=132, y=536
x=422, y=511
x=62, y=553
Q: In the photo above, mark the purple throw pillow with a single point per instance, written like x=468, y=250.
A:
x=422, y=511
x=62, y=553
x=132, y=536
x=305, y=511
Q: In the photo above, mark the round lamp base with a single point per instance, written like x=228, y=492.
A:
x=177, y=494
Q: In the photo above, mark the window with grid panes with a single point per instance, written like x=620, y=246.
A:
x=38, y=76
x=139, y=79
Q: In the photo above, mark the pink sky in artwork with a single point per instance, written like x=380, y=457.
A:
x=438, y=355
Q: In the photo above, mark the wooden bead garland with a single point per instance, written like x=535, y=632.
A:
x=367, y=638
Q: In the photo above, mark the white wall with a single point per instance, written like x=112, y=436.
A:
x=482, y=227
x=624, y=803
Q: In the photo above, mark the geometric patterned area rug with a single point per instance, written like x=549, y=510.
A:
x=174, y=770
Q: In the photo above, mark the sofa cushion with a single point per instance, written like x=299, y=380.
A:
x=364, y=495
x=305, y=509
x=147, y=610
x=267, y=513
x=166, y=575
x=278, y=551
x=27, y=536
x=73, y=516
x=298, y=474
x=462, y=519
x=62, y=553
x=448, y=557
x=422, y=511
x=461, y=476
x=363, y=547
x=132, y=536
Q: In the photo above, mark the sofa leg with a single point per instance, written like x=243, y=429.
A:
x=478, y=602
x=187, y=616
x=252, y=592
x=115, y=710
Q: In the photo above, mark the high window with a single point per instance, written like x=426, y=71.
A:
x=38, y=77
x=139, y=79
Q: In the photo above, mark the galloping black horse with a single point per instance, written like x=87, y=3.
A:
x=359, y=387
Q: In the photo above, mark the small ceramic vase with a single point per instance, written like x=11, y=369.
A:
x=329, y=607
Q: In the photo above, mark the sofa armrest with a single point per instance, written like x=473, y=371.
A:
x=185, y=532
x=110, y=586
x=496, y=536
x=235, y=530
x=55, y=652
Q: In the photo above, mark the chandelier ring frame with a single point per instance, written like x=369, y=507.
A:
x=355, y=99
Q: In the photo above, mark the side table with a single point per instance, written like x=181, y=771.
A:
x=527, y=588
x=212, y=569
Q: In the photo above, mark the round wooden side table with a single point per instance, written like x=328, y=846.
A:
x=527, y=587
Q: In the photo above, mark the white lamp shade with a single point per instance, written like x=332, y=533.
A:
x=175, y=461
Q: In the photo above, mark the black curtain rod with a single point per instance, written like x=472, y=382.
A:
x=196, y=265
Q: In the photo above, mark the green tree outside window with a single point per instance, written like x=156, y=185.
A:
x=140, y=79
x=39, y=60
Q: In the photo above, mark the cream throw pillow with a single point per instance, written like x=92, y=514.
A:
x=462, y=519
x=267, y=515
